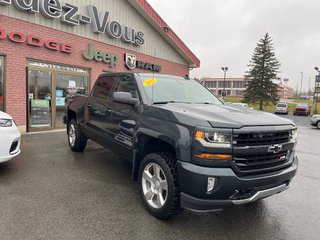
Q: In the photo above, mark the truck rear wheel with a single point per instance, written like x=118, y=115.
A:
x=158, y=185
x=77, y=141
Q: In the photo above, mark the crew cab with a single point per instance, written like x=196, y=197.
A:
x=188, y=150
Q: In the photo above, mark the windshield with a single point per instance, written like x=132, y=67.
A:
x=164, y=89
x=281, y=105
x=302, y=105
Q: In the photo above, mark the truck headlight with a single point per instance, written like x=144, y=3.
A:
x=214, y=139
x=5, y=122
x=293, y=135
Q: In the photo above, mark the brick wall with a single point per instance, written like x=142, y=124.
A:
x=17, y=55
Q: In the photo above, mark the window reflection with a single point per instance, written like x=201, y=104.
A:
x=66, y=85
x=40, y=95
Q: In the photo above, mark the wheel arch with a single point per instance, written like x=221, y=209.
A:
x=69, y=116
x=147, y=143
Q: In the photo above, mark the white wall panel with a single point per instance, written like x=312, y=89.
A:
x=120, y=11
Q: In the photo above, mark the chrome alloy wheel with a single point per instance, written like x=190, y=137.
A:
x=72, y=134
x=154, y=185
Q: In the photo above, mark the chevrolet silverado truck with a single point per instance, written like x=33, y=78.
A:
x=188, y=150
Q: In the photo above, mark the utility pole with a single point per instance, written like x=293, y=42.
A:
x=316, y=91
x=309, y=91
x=224, y=69
x=301, y=84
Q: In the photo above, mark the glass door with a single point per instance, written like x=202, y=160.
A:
x=39, y=103
x=48, y=87
x=65, y=85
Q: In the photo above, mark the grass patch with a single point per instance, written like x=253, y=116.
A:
x=271, y=107
x=233, y=99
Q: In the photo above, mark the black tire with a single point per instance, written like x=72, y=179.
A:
x=168, y=174
x=318, y=124
x=77, y=141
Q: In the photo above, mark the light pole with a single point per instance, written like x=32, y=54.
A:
x=315, y=95
x=301, y=83
x=309, y=91
x=224, y=69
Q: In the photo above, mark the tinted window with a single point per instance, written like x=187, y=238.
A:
x=281, y=105
x=126, y=83
x=103, y=87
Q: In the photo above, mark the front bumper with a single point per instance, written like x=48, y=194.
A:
x=9, y=143
x=229, y=189
x=281, y=111
x=301, y=112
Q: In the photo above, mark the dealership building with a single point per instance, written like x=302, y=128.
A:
x=231, y=86
x=50, y=48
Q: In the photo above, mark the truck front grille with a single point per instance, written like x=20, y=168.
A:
x=258, y=150
x=251, y=162
x=260, y=138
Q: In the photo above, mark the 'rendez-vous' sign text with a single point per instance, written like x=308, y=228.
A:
x=69, y=14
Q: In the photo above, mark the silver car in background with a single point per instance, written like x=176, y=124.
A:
x=282, y=108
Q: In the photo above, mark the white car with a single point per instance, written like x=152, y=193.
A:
x=243, y=105
x=10, y=138
x=282, y=108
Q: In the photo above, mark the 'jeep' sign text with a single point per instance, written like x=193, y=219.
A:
x=99, y=56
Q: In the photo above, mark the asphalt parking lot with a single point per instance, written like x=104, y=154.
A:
x=300, y=121
x=49, y=192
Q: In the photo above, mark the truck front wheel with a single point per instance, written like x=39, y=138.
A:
x=77, y=141
x=158, y=185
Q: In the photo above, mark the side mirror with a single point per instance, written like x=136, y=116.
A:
x=125, y=97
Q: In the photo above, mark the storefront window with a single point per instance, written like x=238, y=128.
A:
x=2, y=83
x=49, y=86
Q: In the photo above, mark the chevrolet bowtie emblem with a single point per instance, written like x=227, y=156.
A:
x=275, y=148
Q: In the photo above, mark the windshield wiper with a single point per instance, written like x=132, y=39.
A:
x=203, y=103
x=164, y=102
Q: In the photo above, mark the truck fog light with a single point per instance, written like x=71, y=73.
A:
x=211, y=182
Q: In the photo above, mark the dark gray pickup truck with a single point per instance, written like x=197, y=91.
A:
x=188, y=150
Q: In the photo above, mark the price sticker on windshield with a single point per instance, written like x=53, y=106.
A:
x=149, y=82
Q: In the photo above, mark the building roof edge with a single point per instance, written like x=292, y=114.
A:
x=152, y=17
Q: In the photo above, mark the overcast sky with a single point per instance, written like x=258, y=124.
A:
x=225, y=33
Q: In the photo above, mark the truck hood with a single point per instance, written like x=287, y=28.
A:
x=225, y=116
